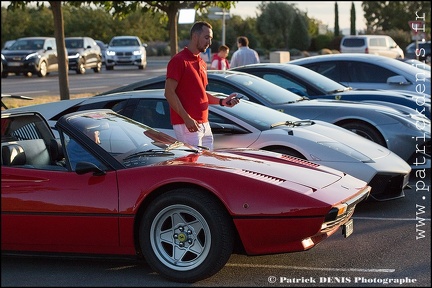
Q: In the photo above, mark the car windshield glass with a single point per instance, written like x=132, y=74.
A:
x=316, y=80
x=27, y=44
x=124, y=42
x=122, y=137
x=74, y=43
x=410, y=69
x=261, y=117
x=268, y=91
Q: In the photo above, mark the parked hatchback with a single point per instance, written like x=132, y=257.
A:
x=126, y=50
x=83, y=53
x=371, y=44
x=31, y=55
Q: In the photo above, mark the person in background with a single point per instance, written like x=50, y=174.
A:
x=185, y=90
x=244, y=55
x=219, y=60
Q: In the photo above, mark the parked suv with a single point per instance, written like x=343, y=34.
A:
x=371, y=44
x=83, y=53
x=30, y=55
x=125, y=50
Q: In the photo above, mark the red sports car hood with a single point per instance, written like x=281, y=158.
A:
x=265, y=165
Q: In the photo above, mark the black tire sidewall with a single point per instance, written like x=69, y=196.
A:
x=219, y=224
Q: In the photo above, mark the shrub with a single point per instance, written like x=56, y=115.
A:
x=324, y=51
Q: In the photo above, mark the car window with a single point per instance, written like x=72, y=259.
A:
x=354, y=42
x=370, y=73
x=74, y=43
x=153, y=112
x=75, y=153
x=378, y=42
x=286, y=83
x=327, y=69
x=266, y=90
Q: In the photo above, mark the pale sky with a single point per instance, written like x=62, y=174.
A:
x=320, y=10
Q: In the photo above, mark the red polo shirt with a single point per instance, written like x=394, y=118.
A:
x=190, y=72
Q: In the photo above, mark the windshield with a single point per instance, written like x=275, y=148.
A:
x=122, y=137
x=316, y=80
x=74, y=43
x=124, y=42
x=410, y=69
x=268, y=91
x=261, y=117
x=27, y=44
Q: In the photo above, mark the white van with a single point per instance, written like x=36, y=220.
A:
x=371, y=44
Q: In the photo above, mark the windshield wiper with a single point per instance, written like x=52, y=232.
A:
x=178, y=144
x=151, y=152
x=292, y=123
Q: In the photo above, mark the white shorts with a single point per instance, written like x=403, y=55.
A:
x=202, y=137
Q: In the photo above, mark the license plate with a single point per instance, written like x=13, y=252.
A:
x=348, y=228
x=14, y=64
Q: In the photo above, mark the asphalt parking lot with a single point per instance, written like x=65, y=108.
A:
x=390, y=246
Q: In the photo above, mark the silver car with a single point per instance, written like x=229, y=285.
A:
x=366, y=71
x=255, y=126
x=399, y=128
x=125, y=51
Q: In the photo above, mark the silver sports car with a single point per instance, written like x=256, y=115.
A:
x=400, y=129
x=252, y=125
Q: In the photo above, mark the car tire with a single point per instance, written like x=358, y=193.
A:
x=109, y=67
x=141, y=67
x=5, y=74
x=186, y=235
x=98, y=67
x=365, y=130
x=81, y=69
x=43, y=69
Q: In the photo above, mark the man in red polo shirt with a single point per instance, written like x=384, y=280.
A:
x=185, y=90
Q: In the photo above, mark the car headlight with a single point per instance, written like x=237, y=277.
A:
x=3, y=58
x=137, y=52
x=340, y=147
x=110, y=53
x=32, y=55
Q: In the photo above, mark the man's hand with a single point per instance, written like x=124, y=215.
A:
x=232, y=100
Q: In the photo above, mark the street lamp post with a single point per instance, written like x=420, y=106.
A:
x=216, y=13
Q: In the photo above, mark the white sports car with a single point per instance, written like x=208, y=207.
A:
x=256, y=126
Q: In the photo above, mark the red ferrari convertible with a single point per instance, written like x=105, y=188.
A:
x=115, y=187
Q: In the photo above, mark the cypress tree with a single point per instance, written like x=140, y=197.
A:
x=353, y=20
x=336, y=27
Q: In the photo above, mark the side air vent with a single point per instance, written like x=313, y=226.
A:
x=262, y=177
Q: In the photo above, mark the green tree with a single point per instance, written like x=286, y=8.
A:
x=119, y=9
x=299, y=37
x=353, y=20
x=274, y=24
x=168, y=8
x=394, y=15
x=336, y=26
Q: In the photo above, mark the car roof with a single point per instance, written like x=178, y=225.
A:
x=39, y=37
x=125, y=36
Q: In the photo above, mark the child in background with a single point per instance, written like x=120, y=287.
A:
x=219, y=61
